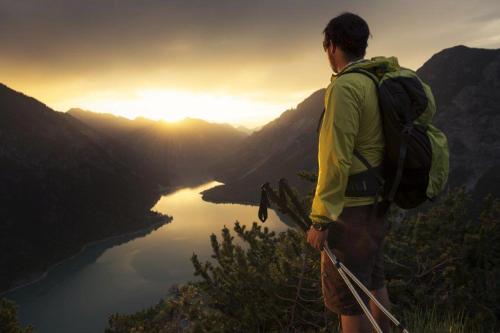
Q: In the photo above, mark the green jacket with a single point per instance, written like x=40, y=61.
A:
x=352, y=120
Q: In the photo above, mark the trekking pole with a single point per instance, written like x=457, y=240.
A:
x=354, y=292
x=304, y=222
x=367, y=292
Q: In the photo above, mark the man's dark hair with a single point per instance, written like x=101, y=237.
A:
x=350, y=32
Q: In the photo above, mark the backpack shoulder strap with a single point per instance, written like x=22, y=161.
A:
x=365, y=72
x=374, y=79
x=356, y=153
x=370, y=168
x=320, y=121
x=354, y=70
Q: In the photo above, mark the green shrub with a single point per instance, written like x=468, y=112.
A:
x=442, y=269
x=9, y=321
x=448, y=259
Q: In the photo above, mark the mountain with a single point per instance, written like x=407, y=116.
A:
x=281, y=148
x=70, y=178
x=172, y=153
x=244, y=129
x=60, y=187
x=465, y=82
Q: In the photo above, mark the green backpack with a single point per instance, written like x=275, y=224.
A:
x=416, y=162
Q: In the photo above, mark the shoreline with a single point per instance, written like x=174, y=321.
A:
x=165, y=220
x=35, y=277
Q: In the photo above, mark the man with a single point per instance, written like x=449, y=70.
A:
x=351, y=121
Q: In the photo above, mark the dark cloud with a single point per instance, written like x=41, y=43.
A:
x=53, y=30
x=269, y=48
x=96, y=32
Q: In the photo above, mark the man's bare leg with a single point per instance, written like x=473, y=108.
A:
x=383, y=297
x=361, y=324
x=356, y=324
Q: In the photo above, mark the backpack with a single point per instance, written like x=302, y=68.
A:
x=415, y=166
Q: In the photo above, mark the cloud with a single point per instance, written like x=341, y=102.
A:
x=63, y=49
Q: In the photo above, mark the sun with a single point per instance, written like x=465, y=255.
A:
x=174, y=105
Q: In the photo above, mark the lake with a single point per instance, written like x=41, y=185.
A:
x=130, y=272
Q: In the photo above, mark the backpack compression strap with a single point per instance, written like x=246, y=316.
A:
x=403, y=148
x=375, y=173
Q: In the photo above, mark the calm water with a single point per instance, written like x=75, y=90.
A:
x=127, y=273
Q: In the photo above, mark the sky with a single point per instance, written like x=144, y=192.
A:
x=235, y=61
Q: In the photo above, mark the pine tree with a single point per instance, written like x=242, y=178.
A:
x=9, y=321
x=442, y=270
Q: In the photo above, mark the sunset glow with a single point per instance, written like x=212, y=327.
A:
x=237, y=62
x=174, y=105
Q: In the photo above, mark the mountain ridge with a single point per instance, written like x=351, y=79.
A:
x=463, y=79
x=60, y=188
x=267, y=154
x=85, y=175
x=185, y=149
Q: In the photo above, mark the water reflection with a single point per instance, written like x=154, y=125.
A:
x=131, y=272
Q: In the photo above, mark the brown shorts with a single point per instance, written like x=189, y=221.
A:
x=356, y=238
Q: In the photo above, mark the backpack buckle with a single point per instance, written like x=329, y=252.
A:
x=407, y=128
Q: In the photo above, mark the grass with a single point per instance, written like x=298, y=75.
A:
x=431, y=321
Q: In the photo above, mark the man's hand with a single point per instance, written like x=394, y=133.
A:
x=317, y=238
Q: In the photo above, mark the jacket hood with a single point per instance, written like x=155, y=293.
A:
x=386, y=64
x=376, y=64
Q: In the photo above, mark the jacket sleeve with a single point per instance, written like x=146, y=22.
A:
x=335, y=152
